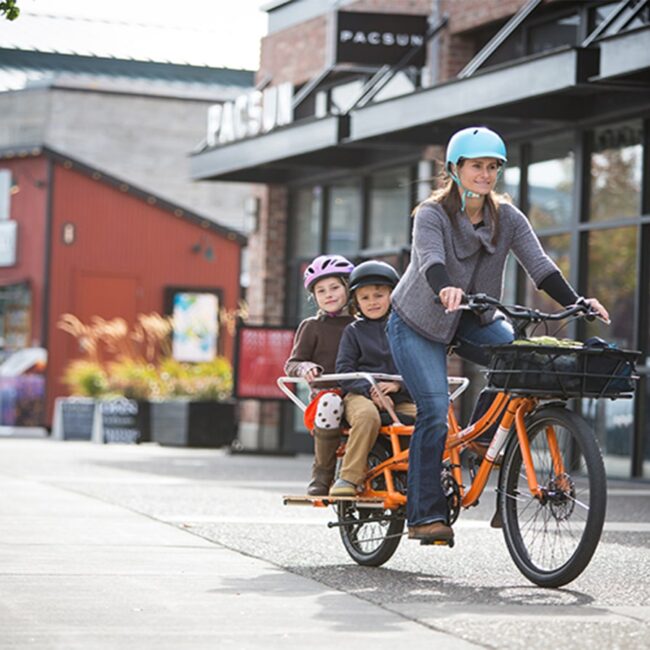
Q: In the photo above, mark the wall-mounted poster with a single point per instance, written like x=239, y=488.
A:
x=196, y=326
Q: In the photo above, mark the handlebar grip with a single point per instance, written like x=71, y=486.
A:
x=463, y=301
x=589, y=314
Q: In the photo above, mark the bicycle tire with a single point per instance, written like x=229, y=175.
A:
x=372, y=535
x=552, y=540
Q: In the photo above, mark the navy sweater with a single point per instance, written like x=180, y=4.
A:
x=364, y=348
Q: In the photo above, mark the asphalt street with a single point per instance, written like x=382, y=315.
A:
x=155, y=547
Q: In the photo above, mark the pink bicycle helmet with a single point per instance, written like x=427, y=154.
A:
x=325, y=266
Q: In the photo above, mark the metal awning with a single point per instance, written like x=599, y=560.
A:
x=555, y=88
x=273, y=157
x=527, y=89
x=626, y=55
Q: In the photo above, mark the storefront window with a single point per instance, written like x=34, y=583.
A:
x=509, y=293
x=645, y=427
x=639, y=18
x=598, y=14
x=305, y=304
x=613, y=423
x=612, y=279
x=389, y=209
x=344, y=223
x=553, y=34
x=509, y=181
x=307, y=221
x=644, y=366
x=616, y=164
x=15, y=317
x=557, y=247
x=550, y=182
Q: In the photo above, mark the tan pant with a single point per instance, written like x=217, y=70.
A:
x=364, y=419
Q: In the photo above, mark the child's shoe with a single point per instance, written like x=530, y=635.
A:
x=343, y=488
x=318, y=487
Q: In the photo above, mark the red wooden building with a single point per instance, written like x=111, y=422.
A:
x=90, y=244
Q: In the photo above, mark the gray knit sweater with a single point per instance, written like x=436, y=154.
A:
x=472, y=261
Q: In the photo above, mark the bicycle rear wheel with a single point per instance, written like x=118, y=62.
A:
x=371, y=535
x=552, y=538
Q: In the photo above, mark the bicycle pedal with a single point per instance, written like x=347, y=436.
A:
x=437, y=542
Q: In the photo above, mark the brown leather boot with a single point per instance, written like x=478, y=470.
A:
x=437, y=531
x=326, y=442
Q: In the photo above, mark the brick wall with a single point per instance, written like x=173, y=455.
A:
x=267, y=258
x=259, y=421
x=465, y=15
x=298, y=53
x=294, y=54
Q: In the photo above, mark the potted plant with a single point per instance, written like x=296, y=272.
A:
x=194, y=406
x=183, y=404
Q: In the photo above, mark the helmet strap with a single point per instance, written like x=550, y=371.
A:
x=464, y=194
x=468, y=194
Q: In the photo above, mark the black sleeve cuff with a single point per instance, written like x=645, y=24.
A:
x=559, y=289
x=437, y=277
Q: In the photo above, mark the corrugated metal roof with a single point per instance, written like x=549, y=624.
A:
x=54, y=62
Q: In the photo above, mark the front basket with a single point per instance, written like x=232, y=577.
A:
x=554, y=371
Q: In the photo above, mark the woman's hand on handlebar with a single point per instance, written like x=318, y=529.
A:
x=595, y=306
x=451, y=298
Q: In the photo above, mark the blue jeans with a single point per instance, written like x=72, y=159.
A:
x=423, y=366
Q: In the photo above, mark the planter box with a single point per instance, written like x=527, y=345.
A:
x=74, y=418
x=143, y=421
x=103, y=421
x=181, y=423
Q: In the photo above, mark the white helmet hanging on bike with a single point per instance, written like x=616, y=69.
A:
x=329, y=411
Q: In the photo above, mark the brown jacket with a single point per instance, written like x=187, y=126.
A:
x=316, y=344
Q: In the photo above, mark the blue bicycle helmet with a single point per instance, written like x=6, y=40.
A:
x=473, y=142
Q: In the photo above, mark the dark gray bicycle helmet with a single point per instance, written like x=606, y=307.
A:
x=373, y=272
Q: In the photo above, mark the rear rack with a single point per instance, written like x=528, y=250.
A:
x=324, y=501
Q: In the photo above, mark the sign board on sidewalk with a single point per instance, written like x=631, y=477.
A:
x=119, y=421
x=259, y=360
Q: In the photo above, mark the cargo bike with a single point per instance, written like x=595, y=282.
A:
x=551, y=489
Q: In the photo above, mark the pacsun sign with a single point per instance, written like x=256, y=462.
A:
x=379, y=39
x=249, y=115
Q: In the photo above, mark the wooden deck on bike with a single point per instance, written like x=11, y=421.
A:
x=322, y=501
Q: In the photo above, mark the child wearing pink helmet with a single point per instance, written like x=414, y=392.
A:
x=314, y=353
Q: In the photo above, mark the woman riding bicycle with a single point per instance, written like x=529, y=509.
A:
x=462, y=235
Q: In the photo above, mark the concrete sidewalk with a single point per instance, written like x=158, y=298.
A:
x=79, y=572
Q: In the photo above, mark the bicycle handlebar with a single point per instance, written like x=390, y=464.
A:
x=480, y=302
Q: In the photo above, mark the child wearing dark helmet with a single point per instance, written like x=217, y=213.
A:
x=314, y=353
x=364, y=348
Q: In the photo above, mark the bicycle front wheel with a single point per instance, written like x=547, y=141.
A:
x=552, y=537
